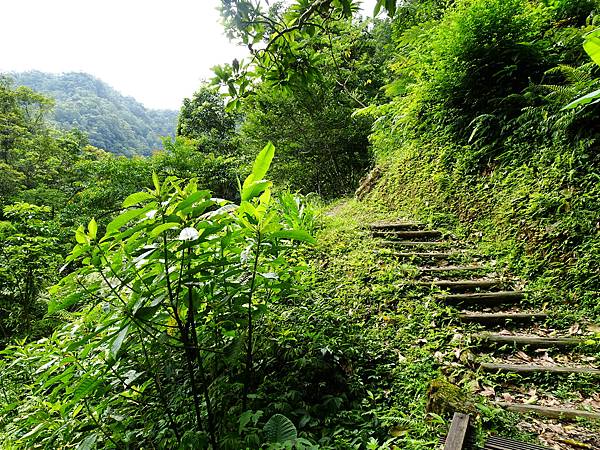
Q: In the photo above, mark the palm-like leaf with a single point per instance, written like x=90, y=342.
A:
x=280, y=429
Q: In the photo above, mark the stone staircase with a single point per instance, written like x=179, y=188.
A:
x=497, y=307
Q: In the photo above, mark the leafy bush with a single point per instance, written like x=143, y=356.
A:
x=166, y=305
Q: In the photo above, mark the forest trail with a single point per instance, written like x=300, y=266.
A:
x=518, y=360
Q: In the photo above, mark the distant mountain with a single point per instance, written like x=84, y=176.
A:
x=113, y=122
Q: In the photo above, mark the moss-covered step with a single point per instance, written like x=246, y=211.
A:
x=397, y=226
x=463, y=285
x=409, y=234
x=445, y=269
x=532, y=340
x=428, y=244
x=439, y=256
x=502, y=317
x=484, y=298
x=537, y=368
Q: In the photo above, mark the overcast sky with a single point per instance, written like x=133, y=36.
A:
x=157, y=51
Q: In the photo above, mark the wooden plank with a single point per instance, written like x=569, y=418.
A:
x=485, y=298
x=501, y=317
x=536, y=368
x=535, y=341
x=458, y=432
x=551, y=412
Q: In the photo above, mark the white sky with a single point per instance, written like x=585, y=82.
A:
x=156, y=51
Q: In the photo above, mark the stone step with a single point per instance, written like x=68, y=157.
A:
x=531, y=340
x=501, y=317
x=537, y=368
x=410, y=234
x=397, y=226
x=462, y=285
x=485, y=298
x=550, y=412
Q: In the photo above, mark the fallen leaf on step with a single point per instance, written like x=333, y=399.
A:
x=575, y=443
x=474, y=386
x=488, y=391
x=594, y=328
x=398, y=431
x=531, y=400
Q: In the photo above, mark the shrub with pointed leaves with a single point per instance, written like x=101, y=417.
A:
x=162, y=350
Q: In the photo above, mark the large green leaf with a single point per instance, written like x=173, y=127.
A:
x=592, y=45
x=191, y=199
x=261, y=165
x=298, y=235
x=162, y=228
x=88, y=442
x=118, y=342
x=86, y=385
x=59, y=302
x=124, y=218
x=136, y=198
x=93, y=228
x=80, y=235
x=279, y=429
x=592, y=97
x=254, y=189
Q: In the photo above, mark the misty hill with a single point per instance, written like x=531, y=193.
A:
x=112, y=121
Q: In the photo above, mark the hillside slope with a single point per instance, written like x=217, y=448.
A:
x=485, y=142
x=113, y=122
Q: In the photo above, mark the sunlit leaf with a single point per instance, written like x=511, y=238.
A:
x=156, y=231
x=255, y=189
x=261, y=165
x=136, y=198
x=298, y=235
x=591, y=98
x=124, y=218
x=93, y=228
x=592, y=45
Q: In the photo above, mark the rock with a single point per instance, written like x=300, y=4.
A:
x=445, y=398
x=368, y=183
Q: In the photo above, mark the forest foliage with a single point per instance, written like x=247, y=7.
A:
x=162, y=302
x=112, y=122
